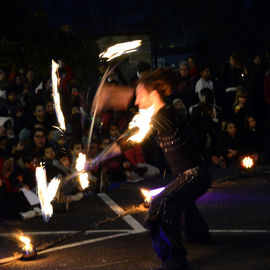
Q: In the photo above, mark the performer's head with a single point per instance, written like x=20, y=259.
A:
x=153, y=88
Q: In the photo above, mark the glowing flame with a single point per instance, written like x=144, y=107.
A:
x=119, y=49
x=46, y=193
x=80, y=165
x=149, y=194
x=247, y=162
x=56, y=96
x=27, y=246
x=141, y=120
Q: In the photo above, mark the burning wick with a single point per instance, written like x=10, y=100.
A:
x=120, y=48
x=46, y=193
x=29, y=251
x=80, y=165
x=149, y=194
x=56, y=96
x=141, y=120
x=247, y=162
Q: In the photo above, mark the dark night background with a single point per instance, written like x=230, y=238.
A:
x=34, y=31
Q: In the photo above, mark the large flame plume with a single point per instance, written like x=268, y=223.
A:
x=120, y=49
x=142, y=120
x=46, y=193
x=56, y=96
x=80, y=166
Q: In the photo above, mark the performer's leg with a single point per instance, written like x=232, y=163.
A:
x=193, y=225
x=165, y=236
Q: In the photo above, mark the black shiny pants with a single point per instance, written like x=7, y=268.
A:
x=173, y=211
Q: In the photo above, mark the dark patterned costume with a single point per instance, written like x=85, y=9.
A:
x=174, y=210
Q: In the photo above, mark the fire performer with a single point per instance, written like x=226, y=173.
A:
x=191, y=178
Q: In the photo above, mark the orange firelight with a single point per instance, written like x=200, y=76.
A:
x=247, y=162
x=27, y=246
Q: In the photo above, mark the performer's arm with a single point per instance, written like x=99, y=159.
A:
x=112, y=97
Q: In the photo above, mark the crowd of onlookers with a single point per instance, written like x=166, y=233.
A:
x=227, y=106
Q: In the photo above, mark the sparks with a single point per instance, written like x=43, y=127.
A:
x=80, y=165
x=120, y=49
x=56, y=96
x=46, y=193
x=141, y=120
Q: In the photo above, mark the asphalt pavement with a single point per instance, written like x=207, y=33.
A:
x=90, y=235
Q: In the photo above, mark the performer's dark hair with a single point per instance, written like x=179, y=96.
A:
x=163, y=80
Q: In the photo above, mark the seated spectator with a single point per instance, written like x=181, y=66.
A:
x=49, y=154
x=135, y=156
x=38, y=118
x=69, y=186
x=4, y=84
x=59, y=141
x=75, y=147
x=30, y=163
x=186, y=87
x=118, y=168
x=76, y=123
x=37, y=143
x=13, y=198
x=204, y=81
x=205, y=117
x=193, y=67
x=254, y=139
x=180, y=107
x=241, y=108
x=229, y=145
x=50, y=115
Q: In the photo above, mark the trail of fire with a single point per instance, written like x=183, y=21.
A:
x=80, y=166
x=56, y=96
x=46, y=193
x=109, y=54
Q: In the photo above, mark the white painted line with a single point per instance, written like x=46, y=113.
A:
x=135, y=225
x=238, y=231
x=131, y=231
x=64, y=232
x=89, y=241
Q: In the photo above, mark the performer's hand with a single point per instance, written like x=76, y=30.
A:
x=115, y=97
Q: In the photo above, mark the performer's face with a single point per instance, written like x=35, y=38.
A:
x=144, y=99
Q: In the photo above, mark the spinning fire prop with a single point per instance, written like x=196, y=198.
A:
x=120, y=49
x=80, y=166
x=56, y=96
x=149, y=194
x=109, y=54
x=46, y=193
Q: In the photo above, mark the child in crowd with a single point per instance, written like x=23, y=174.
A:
x=136, y=158
x=254, y=139
x=229, y=145
x=70, y=189
x=204, y=81
x=76, y=147
x=241, y=108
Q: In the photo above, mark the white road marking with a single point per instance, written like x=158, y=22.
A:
x=85, y=242
x=238, y=231
x=64, y=232
x=135, y=225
